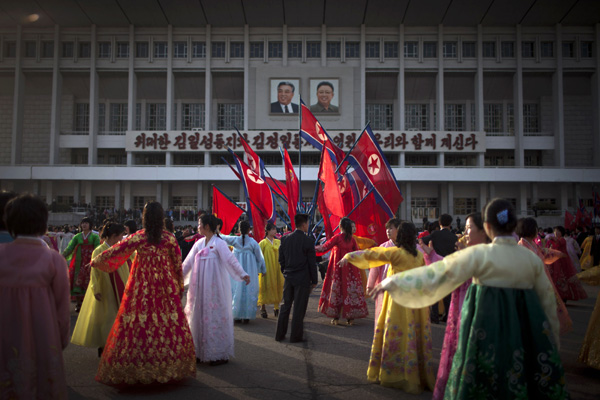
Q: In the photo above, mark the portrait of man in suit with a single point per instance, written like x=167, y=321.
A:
x=285, y=94
x=325, y=100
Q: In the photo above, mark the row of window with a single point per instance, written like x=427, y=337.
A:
x=422, y=117
x=492, y=158
x=154, y=117
x=296, y=49
x=418, y=117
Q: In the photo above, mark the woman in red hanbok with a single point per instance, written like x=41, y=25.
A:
x=562, y=270
x=342, y=292
x=526, y=228
x=150, y=340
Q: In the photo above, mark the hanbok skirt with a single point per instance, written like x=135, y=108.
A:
x=505, y=349
x=564, y=277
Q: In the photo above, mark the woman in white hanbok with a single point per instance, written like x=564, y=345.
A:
x=207, y=269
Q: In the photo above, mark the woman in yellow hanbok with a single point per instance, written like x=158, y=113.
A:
x=586, y=259
x=271, y=283
x=401, y=354
x=590, y=350
x=103, y=296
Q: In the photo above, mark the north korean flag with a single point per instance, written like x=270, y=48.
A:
x=374, y=170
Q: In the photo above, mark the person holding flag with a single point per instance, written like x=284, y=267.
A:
x=342, y=293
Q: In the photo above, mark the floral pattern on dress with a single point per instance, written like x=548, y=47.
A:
x=342, y=291
x=150, y=340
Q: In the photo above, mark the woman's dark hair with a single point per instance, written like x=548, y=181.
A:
x=26, y=215
x=346, y=226
x=219, y=223
x=89, y=221
x=152, y=220
x=561, y=229
x=527, y=227
x=500, y=214
x=407, y=237
x=244, y=229
x=476, y=219
x=210, y=220
x=393, y=222
x=131, y=225
x=111, y=228
x=169, y=225
x=269, y=226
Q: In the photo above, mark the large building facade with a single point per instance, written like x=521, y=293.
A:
x=117, y=103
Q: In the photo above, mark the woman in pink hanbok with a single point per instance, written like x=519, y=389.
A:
x=34, y=307
x=475, y=234
x=208, y=309
x=377, y=274
x=562, y=270
x=526, y=229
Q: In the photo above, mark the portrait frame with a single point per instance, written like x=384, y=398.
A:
x=274, y=106
x=314, y=104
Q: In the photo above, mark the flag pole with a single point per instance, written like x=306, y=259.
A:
x=353, y=146
x=264, y=167
x=300, y=154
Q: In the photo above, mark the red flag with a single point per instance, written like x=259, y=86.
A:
x=293, y=186
x=254, y=161
x=371, y=165
x=370, y=219
x=331, y=193
x=324, y=214
x=256, y=188
x=277, y=187
x=258, y=223
x=569, y=221
x=224, y=209
x=313, y=132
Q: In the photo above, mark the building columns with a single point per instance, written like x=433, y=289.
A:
x=16, y=144
x=522, y=205
x=93, y=107
x=208, y=82
x=56, y=101
x=518, y=102
x=401, y=82
x=558, y=104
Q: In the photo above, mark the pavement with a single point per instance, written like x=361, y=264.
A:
x=331, y=364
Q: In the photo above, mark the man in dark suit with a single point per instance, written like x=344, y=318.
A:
x=581, y=235
x=444, y=243
x=299, y=267
x=285, y=94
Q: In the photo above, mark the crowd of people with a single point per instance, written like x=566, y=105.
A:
x=501, y=288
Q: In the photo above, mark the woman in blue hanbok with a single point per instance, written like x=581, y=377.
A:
x=247, y=251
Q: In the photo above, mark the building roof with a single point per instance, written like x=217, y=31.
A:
x=294, y=13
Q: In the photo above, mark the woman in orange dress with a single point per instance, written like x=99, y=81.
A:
x=150, y=340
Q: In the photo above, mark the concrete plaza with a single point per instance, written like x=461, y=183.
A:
x=332, y=364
